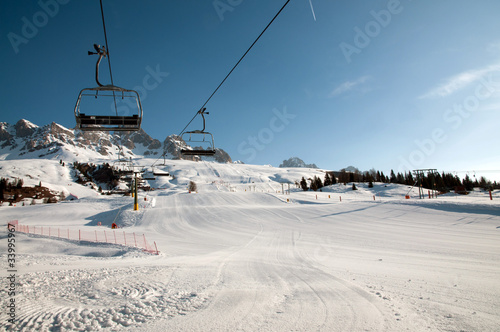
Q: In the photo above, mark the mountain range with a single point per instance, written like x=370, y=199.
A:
x=296, y=162
x=26, y=140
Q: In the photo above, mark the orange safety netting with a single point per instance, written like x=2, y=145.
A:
x=100, y=235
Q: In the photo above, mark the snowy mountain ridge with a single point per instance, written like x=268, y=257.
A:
x=26, y=140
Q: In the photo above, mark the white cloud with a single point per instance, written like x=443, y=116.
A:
x=348, y=86
x=460, y=81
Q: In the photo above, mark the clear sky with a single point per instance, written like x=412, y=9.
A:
x=385, y=84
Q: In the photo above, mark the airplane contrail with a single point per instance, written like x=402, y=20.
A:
x=312, y=9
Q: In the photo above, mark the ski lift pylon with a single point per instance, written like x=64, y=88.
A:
x=101, y=122
x=199, y=136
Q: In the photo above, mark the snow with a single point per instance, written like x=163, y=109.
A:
x=237, y=256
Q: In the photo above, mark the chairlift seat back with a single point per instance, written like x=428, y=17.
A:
x=194, y=137
x=103, y=122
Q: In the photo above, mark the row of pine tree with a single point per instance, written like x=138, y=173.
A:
x=443, y=182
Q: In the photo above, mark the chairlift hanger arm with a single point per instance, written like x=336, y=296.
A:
x=202, y=112
x=101, y=51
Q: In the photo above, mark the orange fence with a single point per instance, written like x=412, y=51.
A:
x=99, y=235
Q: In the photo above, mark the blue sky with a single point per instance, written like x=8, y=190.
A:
x=384, y=84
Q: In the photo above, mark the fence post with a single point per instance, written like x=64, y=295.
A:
x=156, y=248
x=49, y=231
x=124, y=237
x=340, y=198
x=42, y=231
x=96, y=235
x=105, y=236
x=114, y=233
x=68, y=233
x=144, y=237
x=58, y=232
x=135, y=241
x=79, y=235
x=491, y=197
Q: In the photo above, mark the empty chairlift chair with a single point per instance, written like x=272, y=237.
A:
x=109, y=95
x=199, y=137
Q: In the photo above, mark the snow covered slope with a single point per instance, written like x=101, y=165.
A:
x=241, y=255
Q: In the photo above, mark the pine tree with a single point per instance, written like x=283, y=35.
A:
x=354, y=186
x=400, y=178
x=319, y=183
x=370, y=184
x=467, y=183
x=3, y=187
x=351, y=177
x=383, y=178
x=440, y=186
x=314, y=185
x=327, y=181
x=303, y=184
x=343, y=177
x=409, y=179
x=393, y=178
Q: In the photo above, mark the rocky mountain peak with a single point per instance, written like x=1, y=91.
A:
x=25, y=128
x=56, y=129
x=5, y=131
x=296, y=162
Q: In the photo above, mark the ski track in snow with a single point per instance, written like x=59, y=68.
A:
x=250, y=261
x=84, y=299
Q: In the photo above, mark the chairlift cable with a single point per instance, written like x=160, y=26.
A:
x=109, y=57
x=111, y=75
x=248, y=50
x=231, y=71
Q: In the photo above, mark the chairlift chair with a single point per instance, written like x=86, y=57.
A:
x=92, y=122
x=157, y=172
x=199, y=136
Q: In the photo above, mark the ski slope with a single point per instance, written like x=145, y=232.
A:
x=236, y=256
